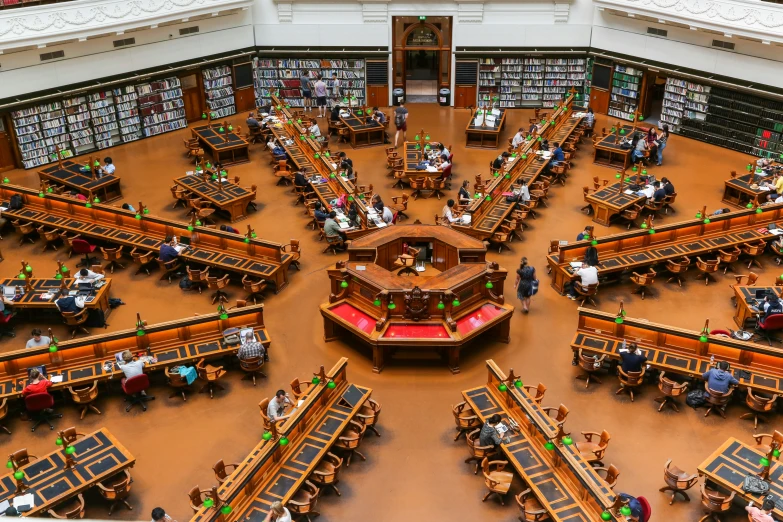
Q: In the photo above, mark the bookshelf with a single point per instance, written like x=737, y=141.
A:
x=39, y=130
x=582, y=100
x=218, y=86
x=350, y=73
x=560, y=75
x=265, y=80
x=675, y=94
x=77, y=117
x=104, y=119
x=625, y=92
x=489, y=79
x=161, y=106
x=511, y=82
x=128, y=118
x=533, y=82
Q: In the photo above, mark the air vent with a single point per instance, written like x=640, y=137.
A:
x=657, y=32
x=52, y=56
x=188, y=30
x=466, y=72
x=723, y=45
x=123, y=43
x=377, y=72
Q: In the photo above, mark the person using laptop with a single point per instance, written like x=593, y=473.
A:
x=37, y=340
x=69, y=303
x=88, y=276
x=489, y=435
x=250, y=348
x=37, y=383
x=168, y=251
x=632, y=358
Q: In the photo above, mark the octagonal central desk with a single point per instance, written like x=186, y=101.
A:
x=393, y=313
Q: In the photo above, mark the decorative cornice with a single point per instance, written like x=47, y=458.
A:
x=285, y=12
x=40, y=25
x=374, y=12
x=470, y=12
x=562, y=10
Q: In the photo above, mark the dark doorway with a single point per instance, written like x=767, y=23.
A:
x=421, y=75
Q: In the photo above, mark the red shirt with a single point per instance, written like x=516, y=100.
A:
x=39, y=387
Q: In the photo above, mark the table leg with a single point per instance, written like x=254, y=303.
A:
x=378, y=358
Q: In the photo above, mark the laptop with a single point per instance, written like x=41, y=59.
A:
x=85, y=288
x=761, y=293
x=9, y=291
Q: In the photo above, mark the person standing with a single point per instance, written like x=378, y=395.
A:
x=320, y=96
x=401, y=122
x=663, y=137
x=526, y=275
x=307, y=94
x=337, y=90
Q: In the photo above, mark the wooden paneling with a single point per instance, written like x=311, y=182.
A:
x=599, y=100
x=245, y=99
x=464, y=96
x=377, y=95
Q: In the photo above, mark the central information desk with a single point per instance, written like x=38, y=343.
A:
x=98, y=456
x=34, y=287
x=633, y=250
x=483, y=136
x=363, y=130
x=609, y=152
x=226, y=196
x=106, y=224
x=562, y=480
x=273, y=471
x=391, y=312
x=174, y=343
x=610, y=201
x=488, y=212
x=79, y=178
x=226, y=148
x=674, y=350
x=739, y=191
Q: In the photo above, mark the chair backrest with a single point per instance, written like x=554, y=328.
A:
x=717, y=398
x=220, y=469
x=715, y=501
x=773, y=322
x=562, y=413
x=760, y=403
x=21, y=457
x=540, y=392
x=38, y=401
x=80, y=246
x=646, y=509
x=251, y=363
x=263, y=406
x=631, y=378
x=197, y=275
x=175, y=379
x=195, y=498
x=117, y=487
x=670, y=387
x=330, y=477
x=729, y=256
x=215, y=282
x=678, y=265
x=754, y=249
x=77, y=511
x=86, y=394
x=588, y=362
x=75, y=318
x=136, y=384
x=707, y=266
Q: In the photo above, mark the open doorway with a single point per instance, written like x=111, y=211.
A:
x=421, y=75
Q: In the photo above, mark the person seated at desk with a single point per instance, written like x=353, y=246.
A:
x=447, y=212
x=343, y=158
x=250, y=348
x=387, y=216
x=128, y=206
x=332, y=228
x=347, y=171
x=667, y=186
x=69, y=303
x=334, y=115
x=588, y=273
x=168, y=252
x=377, y=203
x=524, y=192
x=660, y=193
x=442, y=150
x=252, y=123
x=229, y=228
x=353, y=219
x=378, y=116
x=587, y=233
x=761, y=515
x=719, y=379
x=130, y=367
x=500, y=160
x=277, y=405
x=37, y=340
x=301, y=181
x=647, y=192
x=107, y=169
x=558, y=156
x=271, y=144
x=464, y=194
x=632, y=359
x=319, y=212
x=279, y=150
x=313, y=129
x=278, y=513
x=772, y=305
x=519, y=138
x=777, y=185
x=36, y=384
x=638, y=145
x=489, y=436
x=534, y=129
x=87, y=276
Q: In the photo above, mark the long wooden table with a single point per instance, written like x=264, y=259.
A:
x=482, y=136
x=679, y=351
x=608, y=151
x=31, y=300
x=226, y=196
x=738, y=192
x=629, y=251
x=363, y=130
x=562, y=480
x=413, y=156
x=107, y=224
x=226, y=148
x=72, y=176
x=732, y=462
x=98, y=457
x=610, y=201
x=273, y=472
x=745, y=310
x=174, y=343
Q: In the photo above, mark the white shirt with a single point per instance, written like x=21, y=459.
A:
x=314, y=130
x=387, y=216
x=270, y=144
x=32, y=343
x=648, y=191
x=91, y=277
x=448, y=215
x=132, y=369
x=589, y=275
x=524, y=192
x=285, y=517
x=519, y=137
x=446, y=152
x=274, y=405
x=108, y=168
x=444, y=165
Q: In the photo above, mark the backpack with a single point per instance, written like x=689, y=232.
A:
x=16, y=202
x=185, y=283
x=399, y=119
x=695, y=399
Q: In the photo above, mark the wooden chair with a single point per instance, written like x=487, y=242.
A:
x=25, y=230
x=652, y=208
x=50, y=236
x=178, y=382
x=727, y=257
x=399, y=176
x=349, y=440
x=630, y=215
x=417, y=185
x=4, y=414
x=537, y=392
x=284, y=176
x=196, y=499
x=326, y=472
x=759, y=404
x=223, y=470
x=560, y=412
x=714, y=502
x=113, y=256
x=295, y=251
x=333, y=243
x=218, y=284
x=117, y=490
x=530, y=508
x=590, y=365
x=76, y=320
x=750, y=279
x=22, y=458
x=775, y=438
x=210, y=374
x=299, y=389
x=407, y=263
x=502, y=236
x=197, y=278
x=594, y=450
x=84, y=397
x=496, y=480
x=586, y=293
x=68, y=242
x=677, y=481
x=72, y=509
x=251, y=203
x=399, y=205
x=670, y=390
x=252, y=368
x=303, y=502
x=193, y=149
x=254, y=289
x=677, y=268
x=611, y=474
x=180, y=195
x=477, y=452
x=717, y=401
x=753, y=250
x=629, y=381
x=464, y=418
x=369, y=414
x=143, y=260
x=706, y=268
x=668, y=201
x=436, y=186
x=642, y=281
x=169, y=268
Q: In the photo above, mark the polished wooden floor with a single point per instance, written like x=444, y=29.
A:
x=415, y=470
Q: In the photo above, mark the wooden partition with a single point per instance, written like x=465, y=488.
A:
x=211, y=247
x=639, y=248
x=681, y=351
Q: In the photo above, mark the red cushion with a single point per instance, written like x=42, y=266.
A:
x=80, y=246
x=38, y=401
x=135, y=384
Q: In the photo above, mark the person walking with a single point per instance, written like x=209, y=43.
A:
x=320, y=96
x=526, y=284
x=662, y=139
x=401, y=121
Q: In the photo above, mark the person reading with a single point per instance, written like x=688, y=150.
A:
x=719, y=379
x=250, y=348
x=37, y=340
x=489, y=435
x=37, y=383
x=277, y=405
x=168, y=251
x=447, y=212
x=632, y=359
x=88, y=276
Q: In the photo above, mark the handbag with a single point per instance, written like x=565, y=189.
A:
x=534, y=287
x=753, y=484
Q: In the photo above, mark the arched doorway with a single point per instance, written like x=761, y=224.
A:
x=422, y=52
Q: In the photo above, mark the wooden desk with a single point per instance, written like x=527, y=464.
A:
x=744, y=311
x=483, y=137
x=636, y=249
x=412, y=157
x=98, y=457
x=31, y=300
x=610, y=201
x=679, y=351
x=228, y=197
x=226, y=148
x=363, y=133
x=737, y=191
x=174, y=343
x=732, y=462
x=272, y=472
x=113, y=225
x=565, y=484
x=71, y=176
x=608, y=151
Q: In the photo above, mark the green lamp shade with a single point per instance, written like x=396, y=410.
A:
x=139, y=332
x=488, y=198
x=455, y=302
x=418, y=147
x=508, y=176
x=59, y=441
x=578, y=96
x=327, y=154
x=643, y=225
x=552, y=122
x=627, y=179
x=698, y=215
x=287, y=106
x=707, y=221
x=749, y=167
x=226, y=509
x=331, y=385
x=618, y=320
x=635, y=168
x=618, y=175
x=247, y=240
x=253, y=235
x=625, y=511
x=749, y=205
x=524, y=156
x=513, y=154
x=214, y=115
x=622, y=131
x=641, y=118
x=18, y=475
x=759, y=211
x=208, y=502
x=28, y=268
x=496, y=174
x=70, y=450
x=190, y=228
x=567, y=440
x=502, y=387
x=209, y=165
x=540, y=138
x=316, y=380
x=344, y=284
x=489, y=285
x=6, y=180
x=417, y=137
x=203, y=115
x=40, y=194
x=377, y=302
x=606, y=516
x=776, y=453
x=764, y=461
x=332, y=175
x=22, y=276
x=58, y=276
x=441, y=306
x=96, y=163
x=221, y=129
x=283, y=441
x=223, y=172
x=518, y=383
x=350, y=198
x=549, y=446
x=703, y=338
x=652, y=231
x=644, y=171
x=477, y=196
x=64, y=269
x=427, y=137
x=266, y=435
x=613, y=129
x=53, y=348
x=230, y=127
x=9, y=464
x=317, y=155
x=279, y=107
x=594, y=242
x=214, y=177
x=224, y=316
x=198, y=223
x=88, y=205
x=137, y=216
x=392, y=306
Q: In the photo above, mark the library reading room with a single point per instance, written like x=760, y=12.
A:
x=471, y=260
